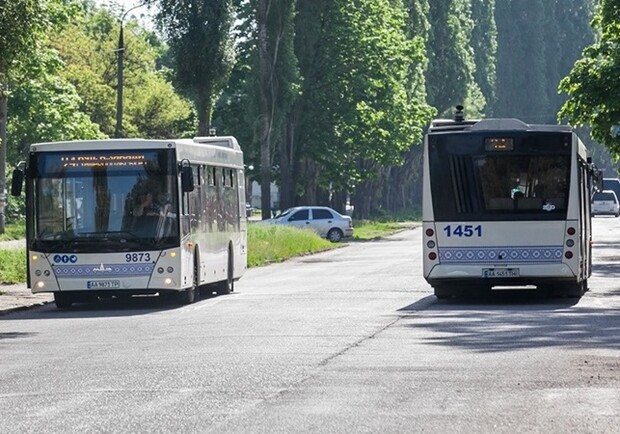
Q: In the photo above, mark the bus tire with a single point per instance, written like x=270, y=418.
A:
x=192, y=294
x=443, y=292
x=227, y=286
x=577, y=289
x=63, y=300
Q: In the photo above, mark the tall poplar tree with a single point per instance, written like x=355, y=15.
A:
x=450, y=75
x=20, y=23
x=522, y=89
x=275, y=72
x=201, y=44
x=484, y=46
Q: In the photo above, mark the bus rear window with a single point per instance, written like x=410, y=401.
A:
x=471, y=183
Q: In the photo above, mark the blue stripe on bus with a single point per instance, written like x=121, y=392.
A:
x=517, y=254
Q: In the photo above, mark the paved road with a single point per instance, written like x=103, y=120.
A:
x=345, y=341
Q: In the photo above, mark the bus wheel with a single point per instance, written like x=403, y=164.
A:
x=227, y=286
x=63, y=300
x=577, y=289
x=443, y=292
x=192, y=294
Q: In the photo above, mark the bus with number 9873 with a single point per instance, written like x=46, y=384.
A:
x=120, y=217
x=506, y=204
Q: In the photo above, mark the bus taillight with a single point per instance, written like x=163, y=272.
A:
x=432, y=256
x=430, y=232
x=568, y=255
x=570, y=231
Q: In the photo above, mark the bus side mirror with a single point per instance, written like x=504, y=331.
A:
x=187, y=179
x=16, y=182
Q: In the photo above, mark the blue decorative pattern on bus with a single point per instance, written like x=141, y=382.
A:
x=535, y=254
x=103, y=270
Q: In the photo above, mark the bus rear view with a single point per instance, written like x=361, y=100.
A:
x=506, y=204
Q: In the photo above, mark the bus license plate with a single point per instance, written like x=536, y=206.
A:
x=490, y=273
x=103, y=284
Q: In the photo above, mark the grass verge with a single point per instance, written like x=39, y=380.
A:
x=271, y=243
x=12, y=266
x=366, y=230
x=266, y=244
x=13, y=231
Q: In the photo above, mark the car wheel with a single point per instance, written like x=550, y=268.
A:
x=334, y=235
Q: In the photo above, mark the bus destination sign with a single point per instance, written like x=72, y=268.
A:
x=498, y=144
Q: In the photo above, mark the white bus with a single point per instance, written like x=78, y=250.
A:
x=506, y=204
x=131, y=216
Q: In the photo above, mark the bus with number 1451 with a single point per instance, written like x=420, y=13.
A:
x=506, y=205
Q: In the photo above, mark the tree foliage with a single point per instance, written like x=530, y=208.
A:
x=152, y=109
x=592, y=84
x=201, y=45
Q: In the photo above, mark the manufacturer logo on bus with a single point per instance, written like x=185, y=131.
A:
x=102, y=269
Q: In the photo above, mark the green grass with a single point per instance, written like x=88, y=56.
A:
x=271, y=243
x=12, y=266
x=266, y=244
x=366, y=230
x=13, y=231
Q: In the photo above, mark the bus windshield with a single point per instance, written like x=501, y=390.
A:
x=530, y=181
x=88, y=200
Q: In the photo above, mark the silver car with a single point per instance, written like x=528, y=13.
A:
x=327, y=222
x=605, y=202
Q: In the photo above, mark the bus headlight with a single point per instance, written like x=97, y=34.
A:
x=170, y=269
x=37, y=273
x=168, y=281
x=160, y=270
x=40, y=284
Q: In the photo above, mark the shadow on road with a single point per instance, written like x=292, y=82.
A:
x=104, y=308
x=514, y=320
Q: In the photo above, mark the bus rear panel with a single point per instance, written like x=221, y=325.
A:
x=505, y=205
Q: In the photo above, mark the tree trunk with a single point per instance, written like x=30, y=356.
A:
x=289, y=157
x=204, y=116
x=266, y=115
x=3, y=144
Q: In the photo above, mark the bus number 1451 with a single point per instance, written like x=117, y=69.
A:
x=463, y=231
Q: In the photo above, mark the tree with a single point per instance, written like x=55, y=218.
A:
x=152, y=108
x=355, y=114
x=44, y=105
x=20, y=23
x=275, y=77
x=484, y=46
x=450, y=75
x=201, y=44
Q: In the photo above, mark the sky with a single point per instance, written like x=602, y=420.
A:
x=142, y=14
